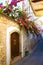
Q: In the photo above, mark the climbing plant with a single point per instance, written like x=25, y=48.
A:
x=19, y=16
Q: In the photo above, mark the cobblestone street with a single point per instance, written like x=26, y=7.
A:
x=35, y=57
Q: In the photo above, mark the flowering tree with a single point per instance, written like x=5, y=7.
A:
x=19, y=16
x=9, y=2
x=14, y=2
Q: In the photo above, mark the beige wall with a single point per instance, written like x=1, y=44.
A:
x=5, y=22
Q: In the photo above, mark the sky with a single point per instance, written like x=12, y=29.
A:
x=3, y=1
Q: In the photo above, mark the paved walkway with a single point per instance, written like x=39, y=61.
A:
x=35, y=57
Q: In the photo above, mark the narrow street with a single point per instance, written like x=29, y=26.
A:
x=35, y=57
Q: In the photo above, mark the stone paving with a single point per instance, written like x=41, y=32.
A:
x=35, y=57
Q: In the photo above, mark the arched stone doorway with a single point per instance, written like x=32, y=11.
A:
x=15, y=45
x=9, y=33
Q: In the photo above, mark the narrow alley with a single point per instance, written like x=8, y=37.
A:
x=35, y=57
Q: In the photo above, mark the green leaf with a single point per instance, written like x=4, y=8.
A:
x=1, y=9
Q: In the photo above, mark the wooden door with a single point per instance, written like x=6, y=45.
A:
x=14, y=45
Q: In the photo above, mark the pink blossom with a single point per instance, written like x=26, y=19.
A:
x=14, y=2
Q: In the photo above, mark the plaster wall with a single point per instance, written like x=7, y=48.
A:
x=8, y=26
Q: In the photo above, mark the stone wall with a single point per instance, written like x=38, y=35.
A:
x=26, y=42
x=29, y=41
x=5, y=22
x=2, y=45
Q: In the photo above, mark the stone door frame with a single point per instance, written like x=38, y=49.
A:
x=10, y=30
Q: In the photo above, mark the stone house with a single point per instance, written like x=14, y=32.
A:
x=13, y=41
